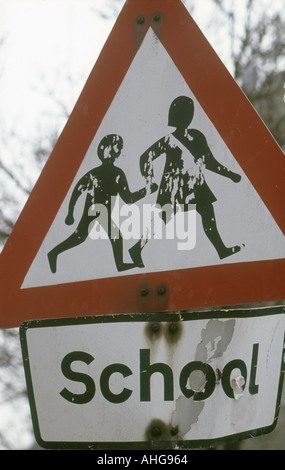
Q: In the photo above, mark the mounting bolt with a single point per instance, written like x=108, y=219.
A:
x=155, y=327
x=156, y=17
x=144, y=292
x=172, y=328
x=156, y=431
x=161, y=290
x=140, y=19
x=174, y=431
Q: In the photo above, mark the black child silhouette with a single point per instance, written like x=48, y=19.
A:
x=100, y=184
x=183, y=181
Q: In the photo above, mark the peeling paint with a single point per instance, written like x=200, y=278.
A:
x=215, y=339
x=186, y=414
x=197, y=381
x=237, y=385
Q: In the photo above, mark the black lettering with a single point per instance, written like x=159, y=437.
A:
x=104, y=383
x=253, y=388
x=87, y=396
x=210, y=380
x=226, y=377
x=146, y=371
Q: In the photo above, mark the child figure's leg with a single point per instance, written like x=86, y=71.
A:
x=116, y=239
x=75, y=239
x=210, y=227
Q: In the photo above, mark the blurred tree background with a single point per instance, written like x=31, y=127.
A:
x=248, y=36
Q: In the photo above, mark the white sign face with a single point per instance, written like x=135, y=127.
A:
x=141, y=380
x=223, y=219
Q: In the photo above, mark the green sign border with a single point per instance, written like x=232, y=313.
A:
x=188, y=315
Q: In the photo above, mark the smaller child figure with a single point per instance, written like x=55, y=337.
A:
x=101, y=185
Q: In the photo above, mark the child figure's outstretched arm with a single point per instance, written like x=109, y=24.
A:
x=128, y=196
x=211, y=163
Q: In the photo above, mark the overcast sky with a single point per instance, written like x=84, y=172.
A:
x=45, y=43
x=48, y=50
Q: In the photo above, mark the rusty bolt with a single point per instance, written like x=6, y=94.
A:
x=156, y=17
x=144, y=292
x=155, y=327
x=140, y=19
x=172, y=328
x=156, y=431
x=161, y=290
x=174, y=431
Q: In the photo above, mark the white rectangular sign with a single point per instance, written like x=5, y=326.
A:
x=170, y=380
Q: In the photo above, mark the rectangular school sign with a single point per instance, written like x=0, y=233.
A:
x=167, y=380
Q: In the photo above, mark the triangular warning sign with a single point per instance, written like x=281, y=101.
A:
x=143, y=119
x=164, y=191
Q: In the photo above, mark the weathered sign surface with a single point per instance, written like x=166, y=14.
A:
x=164, y=175
x=169, y=380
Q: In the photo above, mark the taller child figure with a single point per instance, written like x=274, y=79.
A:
x=183, y=180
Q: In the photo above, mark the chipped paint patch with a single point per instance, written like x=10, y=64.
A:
x=215, y=339
x=237, y=385
x=186, y=414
